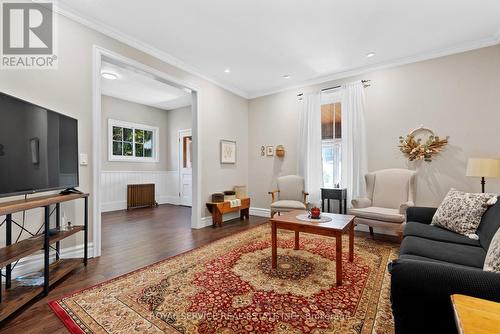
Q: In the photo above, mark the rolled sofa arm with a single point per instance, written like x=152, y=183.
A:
x=420, y=293
x=361, y=202
x=420, y=214
x=404, y=207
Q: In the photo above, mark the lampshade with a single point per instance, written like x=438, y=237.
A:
x=477, y=167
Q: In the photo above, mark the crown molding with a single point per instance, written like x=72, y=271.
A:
x=337, y=75
x=141, y=46
x=354, y=71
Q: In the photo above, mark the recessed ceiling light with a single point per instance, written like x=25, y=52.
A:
x=227, y=70
x=371, y=54
x=109, y=75
x=286, y=76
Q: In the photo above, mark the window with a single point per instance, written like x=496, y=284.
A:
x=132, y=142
x=331, y=135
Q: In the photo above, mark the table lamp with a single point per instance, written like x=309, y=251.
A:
x=479, y=167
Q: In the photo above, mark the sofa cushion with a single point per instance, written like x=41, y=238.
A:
x=426, y=259
x=437, y=233
x=288, y=205
x=377, y=213
x=489, y=225
x=492, y=261
x=461, y=212
x=470, y=256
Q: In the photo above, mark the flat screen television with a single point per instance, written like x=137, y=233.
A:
x=38, y=148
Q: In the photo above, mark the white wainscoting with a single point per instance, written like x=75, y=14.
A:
x=114, y=187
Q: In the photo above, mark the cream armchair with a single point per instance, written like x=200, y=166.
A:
x=289, y=196
x=389, y=193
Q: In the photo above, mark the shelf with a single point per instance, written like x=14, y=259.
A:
x=36, y=202
x=17, y=296
x=23, y=248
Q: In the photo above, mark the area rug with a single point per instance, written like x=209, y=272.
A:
x=228, y=286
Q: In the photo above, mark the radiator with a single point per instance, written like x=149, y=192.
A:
x=140, y=196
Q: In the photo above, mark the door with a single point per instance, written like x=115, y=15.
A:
x=185, y=167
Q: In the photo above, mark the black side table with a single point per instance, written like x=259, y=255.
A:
x=339, y=194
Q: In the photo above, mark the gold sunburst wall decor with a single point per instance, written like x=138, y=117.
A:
x=417, y=149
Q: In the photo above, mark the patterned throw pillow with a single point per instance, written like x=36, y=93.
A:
x=492, y=261
x=461, y=212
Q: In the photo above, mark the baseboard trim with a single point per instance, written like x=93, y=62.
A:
x=260, y=212
x=204, y=222
x=207, y=221
x=34, y=262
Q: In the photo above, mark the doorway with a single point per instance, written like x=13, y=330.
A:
x=102, y=56
x=185, y=167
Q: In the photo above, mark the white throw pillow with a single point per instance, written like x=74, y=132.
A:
x=492, y=261
x=461, y=212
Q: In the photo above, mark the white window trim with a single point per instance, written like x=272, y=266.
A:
x=156, y=141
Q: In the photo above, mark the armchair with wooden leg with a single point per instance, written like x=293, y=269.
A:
x=289, y=196
x=389, y=193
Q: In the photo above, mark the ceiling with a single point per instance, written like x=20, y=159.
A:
x=260, y=41
x=139, y=88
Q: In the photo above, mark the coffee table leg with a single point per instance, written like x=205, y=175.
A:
x=297, y=247
x=274, y=246
x=338, y=256
x=351, y=242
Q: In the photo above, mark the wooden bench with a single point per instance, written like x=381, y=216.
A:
x=220, y=208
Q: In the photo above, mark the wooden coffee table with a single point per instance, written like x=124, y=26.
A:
x=334, y=228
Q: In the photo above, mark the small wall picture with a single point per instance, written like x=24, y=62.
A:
x=270, y=151
x=227, y=152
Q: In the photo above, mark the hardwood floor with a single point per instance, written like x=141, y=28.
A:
x=130, y=240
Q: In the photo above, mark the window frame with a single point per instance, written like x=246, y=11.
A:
x=332, y=97
x=134, y=126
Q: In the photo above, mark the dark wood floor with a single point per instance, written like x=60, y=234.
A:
x=130, y=240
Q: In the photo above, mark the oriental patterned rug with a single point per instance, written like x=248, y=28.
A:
x=228, y=286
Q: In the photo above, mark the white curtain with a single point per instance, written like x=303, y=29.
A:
x=309, y=142
x=354, y=154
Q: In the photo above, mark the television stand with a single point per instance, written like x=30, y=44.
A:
x=69, y=191
x=13, y=296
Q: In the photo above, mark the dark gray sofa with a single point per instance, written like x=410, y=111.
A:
x=435, y=263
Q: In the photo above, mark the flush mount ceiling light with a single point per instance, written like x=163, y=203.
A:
x=369, y=55
x=227, y=70
x=109, y=75
x=286, y=76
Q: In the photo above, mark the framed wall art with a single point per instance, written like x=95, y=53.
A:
x=227, y=152
x=270, y=151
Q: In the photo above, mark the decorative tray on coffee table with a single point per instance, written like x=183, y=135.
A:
x=307, y=218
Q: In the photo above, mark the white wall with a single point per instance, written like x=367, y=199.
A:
x=177, y=119
x=68, y=90
x=121, y=110
x=116, y=175
x=457, y=96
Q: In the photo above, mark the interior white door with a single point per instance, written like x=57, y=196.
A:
x=185, y=167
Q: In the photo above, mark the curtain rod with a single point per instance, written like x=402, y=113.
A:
x=365, y=84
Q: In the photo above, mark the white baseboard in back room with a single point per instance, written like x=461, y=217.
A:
x=114, y=187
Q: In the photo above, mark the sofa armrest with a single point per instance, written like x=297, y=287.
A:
x=361, y=202
x=404, y=207
x=420, y=214
x=422, y=290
